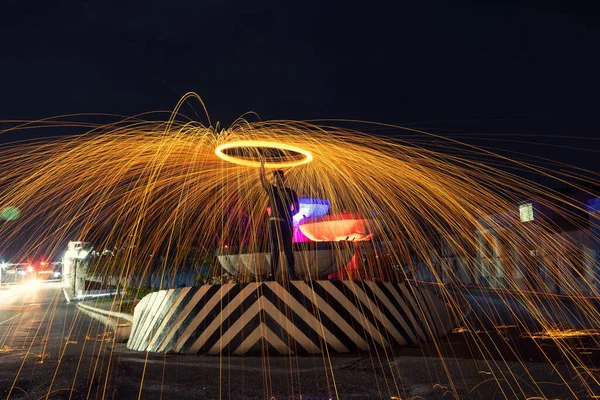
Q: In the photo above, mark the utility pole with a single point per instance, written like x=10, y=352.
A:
x=75, y=277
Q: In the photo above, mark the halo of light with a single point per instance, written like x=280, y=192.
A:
x=10, y=213
x=263, y=144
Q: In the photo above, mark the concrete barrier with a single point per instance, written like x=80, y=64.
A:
x=70, y=295
x=297, y=318
x=119, y=323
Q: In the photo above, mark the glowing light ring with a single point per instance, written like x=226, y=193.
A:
x=261, y=144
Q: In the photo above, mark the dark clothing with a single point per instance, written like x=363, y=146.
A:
x=281, y=200
x=281, y=227
x=280, y=236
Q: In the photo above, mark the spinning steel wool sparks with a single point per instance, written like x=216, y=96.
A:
x=155, y=198
x=258, y=145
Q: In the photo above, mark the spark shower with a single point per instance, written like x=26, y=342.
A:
x=150, y=187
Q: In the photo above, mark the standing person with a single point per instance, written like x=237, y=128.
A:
x=284, y=204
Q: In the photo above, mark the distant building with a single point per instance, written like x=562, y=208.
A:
x=510, y=251
x=75, y=265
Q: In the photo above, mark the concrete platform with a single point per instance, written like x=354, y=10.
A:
x=293, y=318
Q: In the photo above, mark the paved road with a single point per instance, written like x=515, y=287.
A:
x=46, y=345
x=50, y=350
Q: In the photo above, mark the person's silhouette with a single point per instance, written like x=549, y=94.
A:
x=284, y=204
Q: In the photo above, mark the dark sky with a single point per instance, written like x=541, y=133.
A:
x=485, y=70
x=532, y=65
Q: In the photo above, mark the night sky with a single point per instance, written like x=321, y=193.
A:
x=493, y=74
x=525, y=68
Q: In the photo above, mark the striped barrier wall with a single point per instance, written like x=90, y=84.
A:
x=295, y=318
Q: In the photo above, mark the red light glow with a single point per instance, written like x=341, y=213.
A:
x=335, y=228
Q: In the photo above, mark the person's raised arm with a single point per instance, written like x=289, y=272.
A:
x=263, y=177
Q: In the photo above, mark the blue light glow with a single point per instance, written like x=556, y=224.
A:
x=311, y=208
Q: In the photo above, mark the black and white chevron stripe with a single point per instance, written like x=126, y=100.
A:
x=295, y=318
